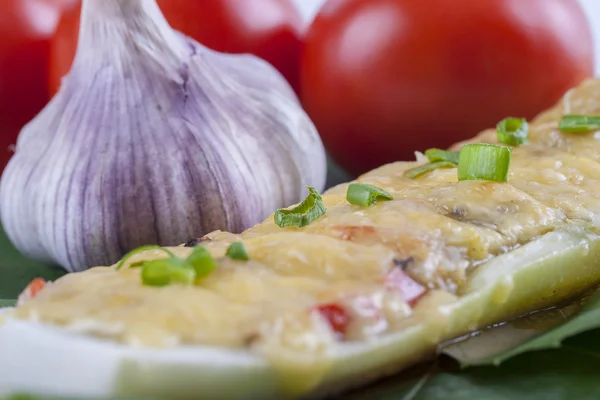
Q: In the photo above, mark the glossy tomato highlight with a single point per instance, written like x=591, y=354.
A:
x=383, y=78
x=270, y=29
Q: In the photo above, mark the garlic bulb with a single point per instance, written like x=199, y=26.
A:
x=153, y=139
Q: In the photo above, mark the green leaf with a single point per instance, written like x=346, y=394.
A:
x=479, y=347
x=17, y=271
x=25, y=396
x=7, y=303
x=498, y=344
x=568, y=373
x=559, y=374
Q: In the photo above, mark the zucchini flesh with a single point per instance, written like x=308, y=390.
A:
x=551, y=269
x=546, y=271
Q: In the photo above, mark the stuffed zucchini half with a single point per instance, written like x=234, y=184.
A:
x=345, y=288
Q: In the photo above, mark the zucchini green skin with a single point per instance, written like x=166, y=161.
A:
x=544, y=272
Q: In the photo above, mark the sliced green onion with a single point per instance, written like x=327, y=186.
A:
x=512, y=131
x=202, y=262
x=165, y=271
x=482, y=161
x=425, y=168
x=579, y=123
x=435, y=155
x=304, y=213
x=157, y=272
x=184, y=274
x=140, y=250
x=438, y=158
x=362, y=194
x=237, y=251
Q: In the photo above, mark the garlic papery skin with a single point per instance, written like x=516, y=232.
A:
x=153, y=139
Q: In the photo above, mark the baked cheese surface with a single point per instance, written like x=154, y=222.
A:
x=385, y=266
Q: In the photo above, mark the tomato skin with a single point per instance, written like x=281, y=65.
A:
x=270, y=29
x=26, y=27
x=336, y=316
x=383, y=78
x=32, y=290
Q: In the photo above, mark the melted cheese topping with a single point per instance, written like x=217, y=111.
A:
x=436, y=229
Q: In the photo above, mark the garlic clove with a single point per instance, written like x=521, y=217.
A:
x=153, y=139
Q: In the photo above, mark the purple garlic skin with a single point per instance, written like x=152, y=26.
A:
x=153, y=139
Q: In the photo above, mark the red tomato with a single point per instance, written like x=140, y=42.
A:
x=26, y=27
x=336, y=316
x=32, y=290
x=270, y=29
x=383, y=78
